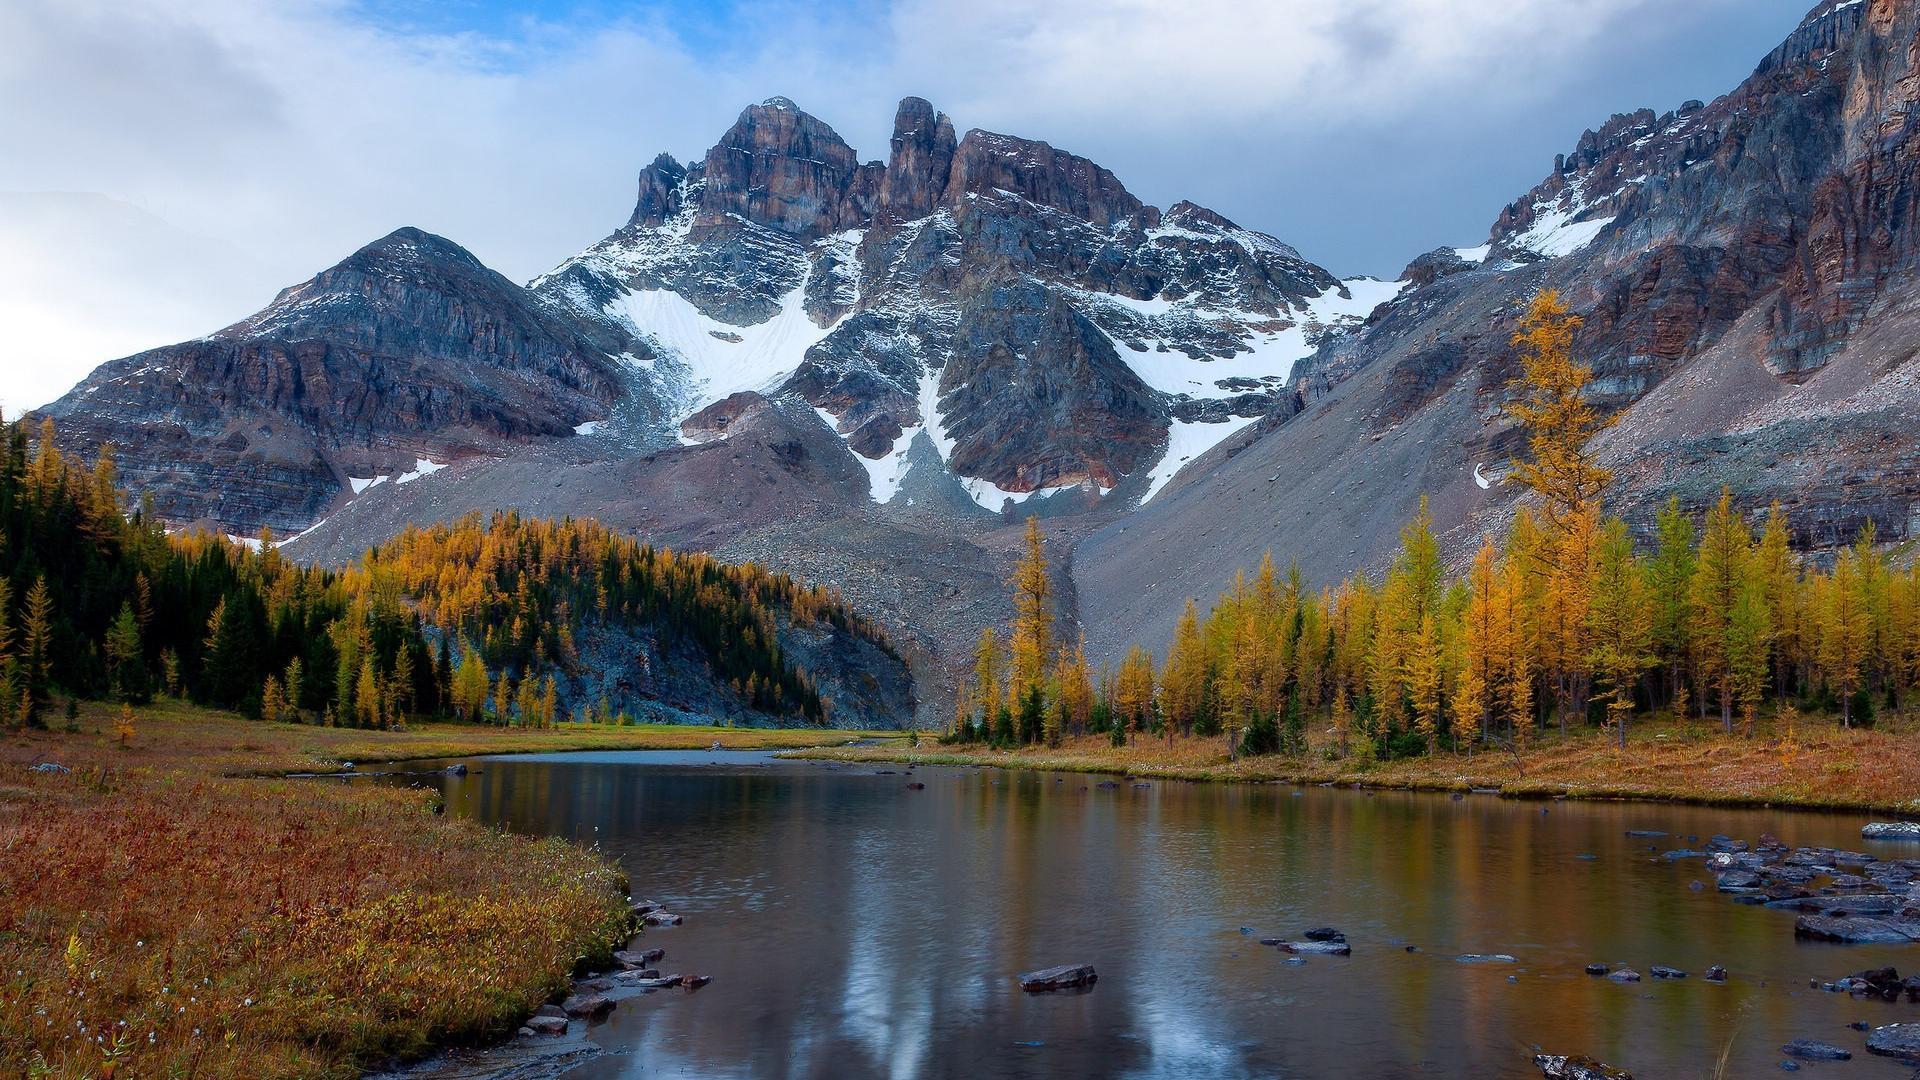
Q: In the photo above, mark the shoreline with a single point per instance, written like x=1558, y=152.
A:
x=1490, y=772
x=204, y=862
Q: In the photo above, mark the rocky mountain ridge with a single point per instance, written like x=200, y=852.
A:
x=1746, y=276
x=851, y=370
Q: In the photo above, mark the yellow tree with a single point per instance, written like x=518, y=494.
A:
x=36, y=644
x=1183, y=679
x=986, y=676
x=1620, y=623
x=1075, y=688
x=1846, y=630
x=1774, y=569
x=1749, y=639
x=1031, y=642
x=1550, y=402
x=1424, y=668
x=1485, y=641
x=1520, y=658
x=1133, y=691
x=1718, y=573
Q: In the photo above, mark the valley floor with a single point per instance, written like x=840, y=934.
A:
x=1819, y=766
x=177, y=907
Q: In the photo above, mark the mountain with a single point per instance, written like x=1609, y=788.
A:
x=863, y=372
x=406, y=355
x=1745, y=270
x=1009, y=305
x=844, y=370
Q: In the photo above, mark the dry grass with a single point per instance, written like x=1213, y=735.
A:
x=170, y=734
x=166, y=912
x=1820, y=766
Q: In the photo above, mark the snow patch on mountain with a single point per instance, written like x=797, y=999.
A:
x=1269, y=345
x=1557, y=228
x=1186, y=441
x=719, y=359
x=421, y=467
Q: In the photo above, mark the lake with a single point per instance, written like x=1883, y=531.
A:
x=857, y=927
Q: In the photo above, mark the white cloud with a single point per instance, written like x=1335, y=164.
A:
x=272, y=137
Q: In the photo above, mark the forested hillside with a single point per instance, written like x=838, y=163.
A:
x=480, y=619
x=1567, y=620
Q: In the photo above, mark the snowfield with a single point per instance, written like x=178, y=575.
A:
x=720, y=359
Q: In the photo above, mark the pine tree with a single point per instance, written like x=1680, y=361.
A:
x=1721, y=567
x=294, y=685
x=1485, y=644
x=1774, y=568
x=402, y=681
x=986, y=677
x=1845, y=630
x=126, y=660
x=10, y=677
x=1620, y=623
x=273, y=704
x=1423, y=681
x=367, y=697
x=1749, y=636
x=1133, y=692
x=36, y=643
x=1183, y=679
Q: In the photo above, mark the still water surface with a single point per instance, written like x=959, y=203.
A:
x=855, y=927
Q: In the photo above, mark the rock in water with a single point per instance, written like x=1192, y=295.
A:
x=1661, y=971
x=1325, y=948
x=1064, y=977
x=1815, y=1050
x=1554, y=1067
x=1624, y=975
x=1896, y=1040
x=1598, y=968
x=1716, y=973
x=1485, y=958
x=1892, y=830
x=548, y=1025
x=589, y=1006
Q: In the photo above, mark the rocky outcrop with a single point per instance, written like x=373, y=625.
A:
x=783, y=169
x=661, y=193
x=986, y=162
x=921, y=161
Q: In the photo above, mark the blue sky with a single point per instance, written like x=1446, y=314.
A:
x=226, y=148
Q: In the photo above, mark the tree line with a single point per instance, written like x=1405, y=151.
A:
x=1562, y=620
x=477, y=619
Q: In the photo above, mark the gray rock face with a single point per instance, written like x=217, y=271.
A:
x=923, y=145
x=783, y=169
x=1744, y=278
x=408, y=349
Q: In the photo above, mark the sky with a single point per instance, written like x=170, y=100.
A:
x=169, y=166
